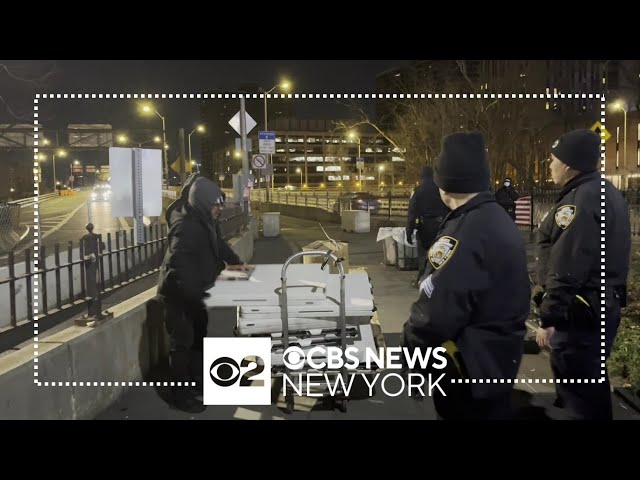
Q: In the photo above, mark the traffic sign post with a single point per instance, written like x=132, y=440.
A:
x=243, y=124
x=267, y=141
x=600, y=130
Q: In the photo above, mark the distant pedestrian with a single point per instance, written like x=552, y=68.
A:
x=506, y=196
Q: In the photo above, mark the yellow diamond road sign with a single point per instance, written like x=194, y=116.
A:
x=600, y=130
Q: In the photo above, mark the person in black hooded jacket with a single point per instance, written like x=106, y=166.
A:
x=426, y=212
x=195, y=256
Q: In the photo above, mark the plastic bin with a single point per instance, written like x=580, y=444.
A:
x=271, y=224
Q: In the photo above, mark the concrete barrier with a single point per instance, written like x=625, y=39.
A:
x=300, y=211
x=83, y=370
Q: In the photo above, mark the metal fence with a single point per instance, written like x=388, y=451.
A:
x=396, y=206
x=62, y=269
x=543, y=200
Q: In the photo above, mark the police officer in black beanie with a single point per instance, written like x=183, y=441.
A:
x=474, y=296
x=570, y=275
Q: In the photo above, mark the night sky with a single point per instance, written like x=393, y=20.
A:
x=170, y=76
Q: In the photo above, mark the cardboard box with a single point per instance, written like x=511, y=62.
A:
x=341, y=252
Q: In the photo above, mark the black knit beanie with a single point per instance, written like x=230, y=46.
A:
x=579, y=149
x=462, y=166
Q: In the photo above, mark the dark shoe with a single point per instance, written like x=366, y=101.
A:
x=185, y=399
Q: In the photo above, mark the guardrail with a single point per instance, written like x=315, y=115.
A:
x=31, y=200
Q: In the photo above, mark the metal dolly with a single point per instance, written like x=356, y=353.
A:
x=340, y=400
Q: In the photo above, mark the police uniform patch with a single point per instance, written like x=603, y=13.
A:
x=441, y=251
x=565, y=215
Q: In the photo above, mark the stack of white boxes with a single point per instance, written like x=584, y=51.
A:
x=313, y=304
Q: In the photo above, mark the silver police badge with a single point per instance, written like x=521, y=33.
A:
x=441, y=251
x=565, y=215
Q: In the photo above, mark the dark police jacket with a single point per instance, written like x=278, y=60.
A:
x=568, y=248
x=195, y=256
x=475, y=292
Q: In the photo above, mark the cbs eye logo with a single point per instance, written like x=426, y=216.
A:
x=225, y=371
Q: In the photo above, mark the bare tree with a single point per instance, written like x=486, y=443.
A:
x=21, y=80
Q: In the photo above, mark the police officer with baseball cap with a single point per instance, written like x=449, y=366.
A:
x=475, y=292
x=569, y=278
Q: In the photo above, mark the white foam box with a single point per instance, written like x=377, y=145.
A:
x=358, y=301
x=306, y=285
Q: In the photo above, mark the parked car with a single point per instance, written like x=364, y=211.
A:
x=358, y=201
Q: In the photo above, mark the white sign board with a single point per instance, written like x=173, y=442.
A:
x=267, y=141
x=121, y=169
x=235, y=122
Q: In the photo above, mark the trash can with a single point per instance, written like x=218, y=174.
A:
x=271, y=224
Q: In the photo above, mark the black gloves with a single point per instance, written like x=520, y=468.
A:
x=409, y=234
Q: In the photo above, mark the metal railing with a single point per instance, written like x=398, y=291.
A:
x=62, y=271
x=396, y=206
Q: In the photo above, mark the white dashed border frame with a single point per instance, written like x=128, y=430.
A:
x=323, y=96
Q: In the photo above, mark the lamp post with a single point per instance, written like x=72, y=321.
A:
x=61, y=153
x=200, y=129
x=71, y=175
x=147, y=108
x=380, y=170
x=299, y=170
x=285, y=86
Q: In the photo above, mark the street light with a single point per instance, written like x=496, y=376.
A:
x=148, y=109
x=61, y=153
x=285, y=85
x=200, y=129
x=71, y=175
x=619, y=105
x=299, y=170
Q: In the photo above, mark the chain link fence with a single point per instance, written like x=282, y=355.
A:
x=11, y=232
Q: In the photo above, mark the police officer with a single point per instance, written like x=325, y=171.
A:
x=569, y=275
x=474, y=296
x=506, y=196
x=426, y=212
